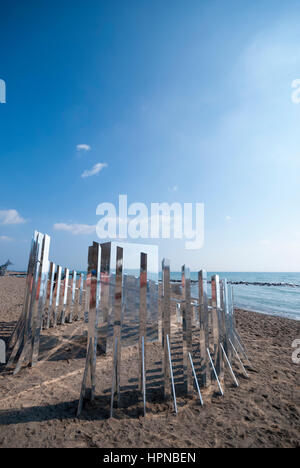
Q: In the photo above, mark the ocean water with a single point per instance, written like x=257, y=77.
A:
x=283, y=300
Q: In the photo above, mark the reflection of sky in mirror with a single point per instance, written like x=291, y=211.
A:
x=131, y=258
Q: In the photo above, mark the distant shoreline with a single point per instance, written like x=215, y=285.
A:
x=22, y=275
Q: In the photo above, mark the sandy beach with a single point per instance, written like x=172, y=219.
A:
x=37, y=406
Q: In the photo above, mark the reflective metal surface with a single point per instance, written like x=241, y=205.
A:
x=93, y=293
x=49, y=303
x=166, y=325
x=171, y=374
x=87, y=368
x=195, y=379
x=115, y=372
x=228, y=320
x=143, y=375
x=38, y=318
x=187, y=328
x=217, y=326
x=215, y=372
x=238, y=341
x=65, y=305
x=229, y=365
x=121, y=307
x=26, y=336
x=80, y=298
x=57, y=295
x=87, y=297
x=73, y=296
x=143, y=315
x=28, y=288
x=238, y=358
x=204, y=328
x=178, y=311
x=105, y=326
x=117, y=316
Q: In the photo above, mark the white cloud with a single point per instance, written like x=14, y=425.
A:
x=83, y=148
x=11, y=217
x=5, y=239
x=75, y=228
x=264, y=242
x=94, y=171
x=174, y=188
x=228, y=218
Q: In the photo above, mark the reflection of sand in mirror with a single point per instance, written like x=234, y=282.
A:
x=131, y=328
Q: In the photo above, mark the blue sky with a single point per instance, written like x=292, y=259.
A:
x=174, y=101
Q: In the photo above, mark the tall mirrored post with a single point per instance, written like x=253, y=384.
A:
x=236, y=336
x=65, y=296
x=214, y=314
x=228, y=333
x=105, y=316
x=73, y=296
x=44, y=273
x=187, y=329
x=118, y=302
x=19, y=328
x=204, y=327
x=57, y=295
x=87, y=297
x=80, y=297
x=231, y=311
x=93, y=293
x=166, y=325
x=222, y=331
x=153, y=312
x=50, y=295
x=221, y=294
x=27, y=340
x=142, y=317
x=216, y=325
x=195, y=314
x=76, y=310
x=20, y=335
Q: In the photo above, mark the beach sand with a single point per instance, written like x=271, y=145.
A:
x=37, y=406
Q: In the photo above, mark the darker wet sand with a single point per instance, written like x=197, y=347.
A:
x=37, y=406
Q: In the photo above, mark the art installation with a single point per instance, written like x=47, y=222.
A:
x=47, y=303
x=183, y=334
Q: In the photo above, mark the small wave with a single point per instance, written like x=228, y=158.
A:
x=260, y=283
x=248, y=283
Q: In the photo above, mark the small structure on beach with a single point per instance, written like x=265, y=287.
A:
x=3, y=268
